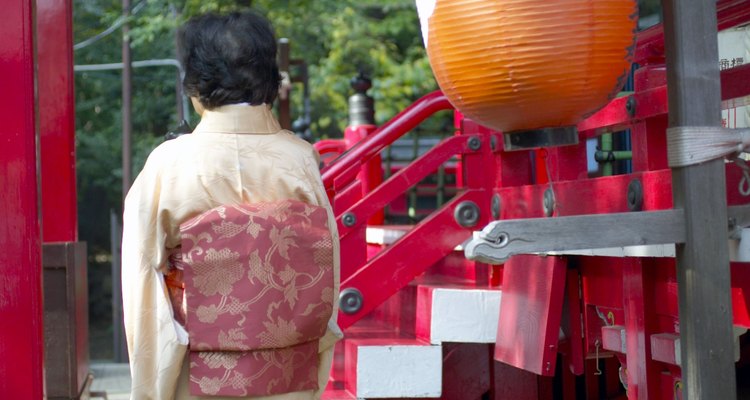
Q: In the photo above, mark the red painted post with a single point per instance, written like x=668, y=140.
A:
x=649, y=137
x=371, y=174
x=56, y=119
x=362, y=125
x=21, y=338
x=638, y=295
x=458, y=119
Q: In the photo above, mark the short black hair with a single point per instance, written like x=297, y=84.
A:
x=229, y=59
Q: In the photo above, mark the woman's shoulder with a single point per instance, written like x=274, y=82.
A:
x=292, y=138
x=295, y=144
x=169, y=152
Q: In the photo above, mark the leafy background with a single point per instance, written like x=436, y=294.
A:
x=336, y=38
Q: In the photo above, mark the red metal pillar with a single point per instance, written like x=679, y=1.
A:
x=362, y=125
x=21, y=338
x=56, y=119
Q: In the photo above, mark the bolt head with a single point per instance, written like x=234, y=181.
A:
x=475, y=143
x=349, y=219
x=466, y=214
x=351, y=301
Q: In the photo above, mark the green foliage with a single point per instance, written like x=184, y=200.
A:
x=336, y=38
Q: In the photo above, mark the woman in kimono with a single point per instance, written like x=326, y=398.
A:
x=238, y=154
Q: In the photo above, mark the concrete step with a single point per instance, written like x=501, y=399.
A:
x=337, y=394
x=393, y=368
x=457, y=313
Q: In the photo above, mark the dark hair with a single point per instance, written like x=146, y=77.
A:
x=229, y=59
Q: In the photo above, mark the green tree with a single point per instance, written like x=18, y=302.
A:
x=336, y=38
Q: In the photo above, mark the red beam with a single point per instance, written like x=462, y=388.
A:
x=21, y=338
x=735, y=83
x=603, y=195
x=403, y=180
x=56, y=119
x=396, y=266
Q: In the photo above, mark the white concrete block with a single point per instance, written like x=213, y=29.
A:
x=400, y=371
x=464, y=315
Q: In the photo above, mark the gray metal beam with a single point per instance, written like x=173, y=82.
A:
x=703, y=260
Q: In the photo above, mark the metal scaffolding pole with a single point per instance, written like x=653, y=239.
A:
x=127, y=101
x=702, y=261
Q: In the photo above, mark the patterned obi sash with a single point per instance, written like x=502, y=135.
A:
x=258, y=290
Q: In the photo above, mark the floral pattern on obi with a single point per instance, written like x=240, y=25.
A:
x=259, y=293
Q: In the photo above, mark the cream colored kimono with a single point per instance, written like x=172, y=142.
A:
x=237, y=154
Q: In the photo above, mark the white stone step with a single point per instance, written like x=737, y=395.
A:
x=457, y=314
x=387, y=234
x=393, y=368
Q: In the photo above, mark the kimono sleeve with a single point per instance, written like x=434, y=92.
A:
x=312, y=170
x=156, y=349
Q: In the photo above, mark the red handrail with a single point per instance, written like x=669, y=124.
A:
x=399, y=125
x=650, y=42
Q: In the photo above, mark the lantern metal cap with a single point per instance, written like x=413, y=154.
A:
x=544, y=137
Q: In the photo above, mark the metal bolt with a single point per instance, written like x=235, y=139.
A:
x=548, y=202
x=630, y=106
x=349, y=219
x=467, y=213
x=496, y=201
x=493, y=142
x=474, y=143
x=350, y=301
x=635, y=195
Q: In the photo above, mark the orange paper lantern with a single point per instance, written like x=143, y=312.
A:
x=519, y=65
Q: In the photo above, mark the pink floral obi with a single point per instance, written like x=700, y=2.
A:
x=258, y=283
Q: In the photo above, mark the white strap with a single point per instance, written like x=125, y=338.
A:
x=690, y=145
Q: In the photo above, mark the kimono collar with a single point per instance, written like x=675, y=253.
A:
x=239, y=118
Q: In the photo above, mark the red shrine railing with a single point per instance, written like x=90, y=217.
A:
x=488, y=171
x=439, y=233
x=343, y=170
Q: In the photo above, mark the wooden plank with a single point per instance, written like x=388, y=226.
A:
x=530, y=313
x=502, y=239
x=640, y=322
x=703, y=261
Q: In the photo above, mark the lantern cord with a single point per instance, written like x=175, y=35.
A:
x=744, y=188
x=691, y=145
x=555, y=206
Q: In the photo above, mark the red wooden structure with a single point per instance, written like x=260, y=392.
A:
x=598, y=326
x=415, y=312
x=39, y=199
